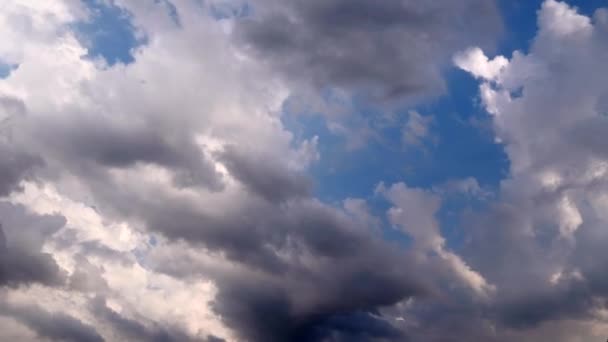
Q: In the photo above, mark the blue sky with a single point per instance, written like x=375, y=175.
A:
x=108, y=33
x=6, y=69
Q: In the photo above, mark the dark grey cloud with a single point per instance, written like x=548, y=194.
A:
x=572, y=301
x=514, y=246
x=390, y=49
x=267, y=313
x=315, y=268
x=339, y=298
x=122, y=145
x=21, y=267
x=264, y=176
x=310, y=271
x=15, y=166
x=54, y=326
x=21, y=237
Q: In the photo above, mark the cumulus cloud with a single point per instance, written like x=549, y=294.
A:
x=537, y=243
x=166, y=200
x=475, y=61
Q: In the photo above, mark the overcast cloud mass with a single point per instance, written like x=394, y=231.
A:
x=165, y=171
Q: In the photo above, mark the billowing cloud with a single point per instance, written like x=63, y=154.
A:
x=167, y=199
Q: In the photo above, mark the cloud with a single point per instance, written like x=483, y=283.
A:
x=392, y=50
x=266, y=178
x=22, y=235
x=166, y=199
x=301, y=264
x=183, y=149
x=15, y=167
x=474, y=61
x=120, y=145
x=414, y=211
x=132, y=329
x=54, y=326
x=536, y=243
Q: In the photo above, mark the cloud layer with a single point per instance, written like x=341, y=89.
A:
x=167, y=200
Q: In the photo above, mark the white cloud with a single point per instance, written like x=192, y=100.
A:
x=549, y=129
x=475, y=61
x=560, y=20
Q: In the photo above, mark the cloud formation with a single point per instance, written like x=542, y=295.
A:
x=168, y=199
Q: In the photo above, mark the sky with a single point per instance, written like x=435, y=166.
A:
x=320, y=170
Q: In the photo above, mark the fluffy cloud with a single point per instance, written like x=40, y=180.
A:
x=540, y=243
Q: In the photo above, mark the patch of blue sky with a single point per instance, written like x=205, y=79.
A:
x=109, y=33
x=588, y=7
x=466, y=145
x=464, y=148
x=229, y=9
x=6, y=69
x=519, y=17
